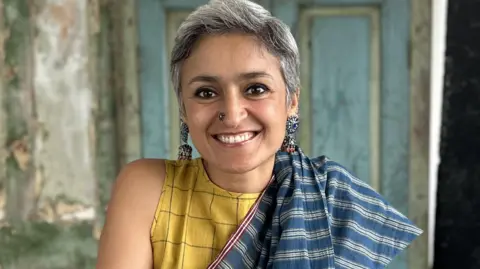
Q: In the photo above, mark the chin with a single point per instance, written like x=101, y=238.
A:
x=236, y=168
x=235, y=164
x=238, y=163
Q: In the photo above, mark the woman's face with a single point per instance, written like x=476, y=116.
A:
x=235, y=75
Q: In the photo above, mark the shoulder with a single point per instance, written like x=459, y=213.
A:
x=143, y=176
x=138, y=187
x=342, y=186
x=147, y=169
x=335, y=174
x=125, y=237
x=344, y=191
x=359, y=211
x=142, y=181
x=340, y=174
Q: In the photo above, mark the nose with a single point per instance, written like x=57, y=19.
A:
x=234, y=109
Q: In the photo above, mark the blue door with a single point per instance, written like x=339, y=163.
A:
x=355, y=85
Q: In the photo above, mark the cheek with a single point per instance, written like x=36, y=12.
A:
x=198, y=117
x=273, y=116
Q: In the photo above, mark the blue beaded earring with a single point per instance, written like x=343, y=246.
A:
x=185, y=150
x=288, y=144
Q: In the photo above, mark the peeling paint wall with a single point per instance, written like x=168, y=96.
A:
x=3, y=134
x=57, y=128
x=17, y=131
x=64, y=102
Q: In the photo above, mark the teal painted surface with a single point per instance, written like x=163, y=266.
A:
x=395, y=101
x=287, y=11
x=395, y=111
x=341, y=90
x=154, y=78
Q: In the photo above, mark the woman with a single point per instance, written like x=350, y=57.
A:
x=244, y=203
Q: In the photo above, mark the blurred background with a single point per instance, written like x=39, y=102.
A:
x=390, y=89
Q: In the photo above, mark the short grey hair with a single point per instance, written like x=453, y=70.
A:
x=237, y=16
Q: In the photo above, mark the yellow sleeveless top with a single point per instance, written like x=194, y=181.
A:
x=194, y=217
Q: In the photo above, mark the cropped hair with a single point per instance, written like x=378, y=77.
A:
x=237, y=16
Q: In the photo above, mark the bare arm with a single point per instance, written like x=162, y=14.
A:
x=125, y=240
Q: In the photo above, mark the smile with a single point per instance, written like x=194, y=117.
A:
x=235, y=138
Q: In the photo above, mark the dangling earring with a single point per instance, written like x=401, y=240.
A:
x=288, y=144
x=185, y=150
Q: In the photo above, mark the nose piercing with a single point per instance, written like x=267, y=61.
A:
x=221, y=116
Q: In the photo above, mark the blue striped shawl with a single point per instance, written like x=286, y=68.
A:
x=316, y=214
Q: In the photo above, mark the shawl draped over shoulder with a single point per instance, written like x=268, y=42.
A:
x=316, y=214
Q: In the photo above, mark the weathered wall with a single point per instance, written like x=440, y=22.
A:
x=57, y=156
x=63, y=98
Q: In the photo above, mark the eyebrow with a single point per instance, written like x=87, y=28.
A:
x=242, y=76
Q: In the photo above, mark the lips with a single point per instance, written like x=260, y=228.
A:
x=235, y=138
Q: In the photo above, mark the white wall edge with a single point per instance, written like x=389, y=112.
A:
x=439, y=27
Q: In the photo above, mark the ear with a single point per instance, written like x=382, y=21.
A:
x=294, y=103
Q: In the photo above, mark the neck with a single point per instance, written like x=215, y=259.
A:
x=253, y=181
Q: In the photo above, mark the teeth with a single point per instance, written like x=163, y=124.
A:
x=230, y=139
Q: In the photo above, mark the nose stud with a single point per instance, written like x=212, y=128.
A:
x=221, y=116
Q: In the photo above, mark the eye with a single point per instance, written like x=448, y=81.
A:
x=205, y=93
x=256, y=89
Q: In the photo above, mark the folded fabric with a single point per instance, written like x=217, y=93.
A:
x=316, y=214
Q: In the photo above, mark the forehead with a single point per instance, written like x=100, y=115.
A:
x=229, y=54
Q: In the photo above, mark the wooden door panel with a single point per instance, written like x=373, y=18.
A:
x=343, y=78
